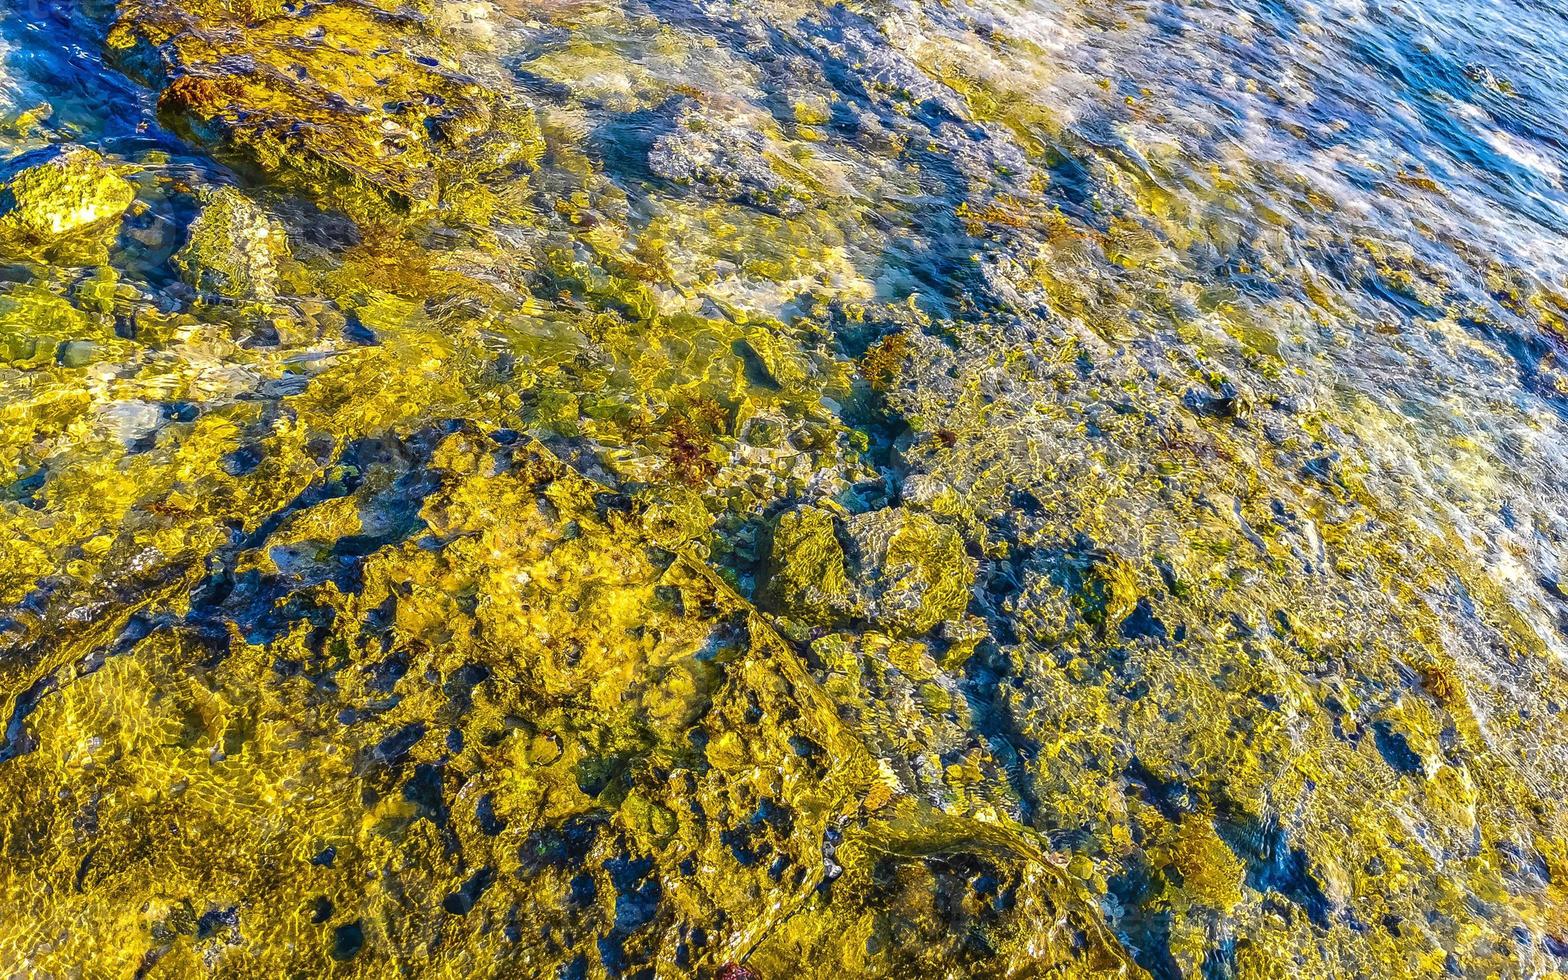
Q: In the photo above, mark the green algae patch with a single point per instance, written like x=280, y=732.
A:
x=807, y=577
x=540, y=722
x=365, y=106
x=914, y=572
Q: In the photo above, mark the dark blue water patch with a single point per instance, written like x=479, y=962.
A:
x=986, y=686
x=18, y=741
x=462, y=901
x=355, y=332
x=742, y=845
x=637, y=894
x=612, y=954
x=383, y=675
x=26, y=489
x=1141, y=623
x=582, y=891
x=55, y=53
x=558, y=846
x=1395, y=749
x=217, y=920
x=459, y=686
x=484, y=814
x=243, y=460
x=1272, y=864
x=347, y=940
x=1219, y=963
x=321, y=909
x=1524, y=866
x=424, y=790
x=622, y=142
x=396, y=745
x=1145, y=926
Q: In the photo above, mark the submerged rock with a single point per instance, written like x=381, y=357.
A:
x=914, y=573
x=35, y=325
x=902, y=572
x=72, y=189
x=428, y=697
x=300, y=97
x=721, y=159
x=234, y=248
x=807, y=577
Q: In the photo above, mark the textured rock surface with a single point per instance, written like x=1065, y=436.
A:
x=807, y=575
x=233, y=248
x=364, y=103
x=68, y=190
x=911, y=570
x=770, y=489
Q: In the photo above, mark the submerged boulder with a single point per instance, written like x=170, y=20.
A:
x=807, y=577
x=301, y=99
x=37, y=328
x=902, y=572
x=67, y=190
x=721, y=158
x=234, y=248
x=913, y=571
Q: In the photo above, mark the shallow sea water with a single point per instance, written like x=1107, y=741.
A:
x=665, y=488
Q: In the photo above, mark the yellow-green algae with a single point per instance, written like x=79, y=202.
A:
x=378, y=605
x=70, y=191
x=543, y=727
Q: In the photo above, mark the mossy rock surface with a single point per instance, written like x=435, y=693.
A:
x=296, y=96
x=808, y=575
x=36, y=326
x=751, y=483
x=65, y=190
x=912, y=571
x=233, y=248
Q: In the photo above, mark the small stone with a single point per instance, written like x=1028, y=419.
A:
x=69, y=190
x=234, y=248
x=77, y=353
x=131, y=420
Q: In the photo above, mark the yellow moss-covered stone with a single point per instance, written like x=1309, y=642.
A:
x=807, y=576
x=233, y=248
x=913, y=572
x=298, y=96
x=69, y=190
